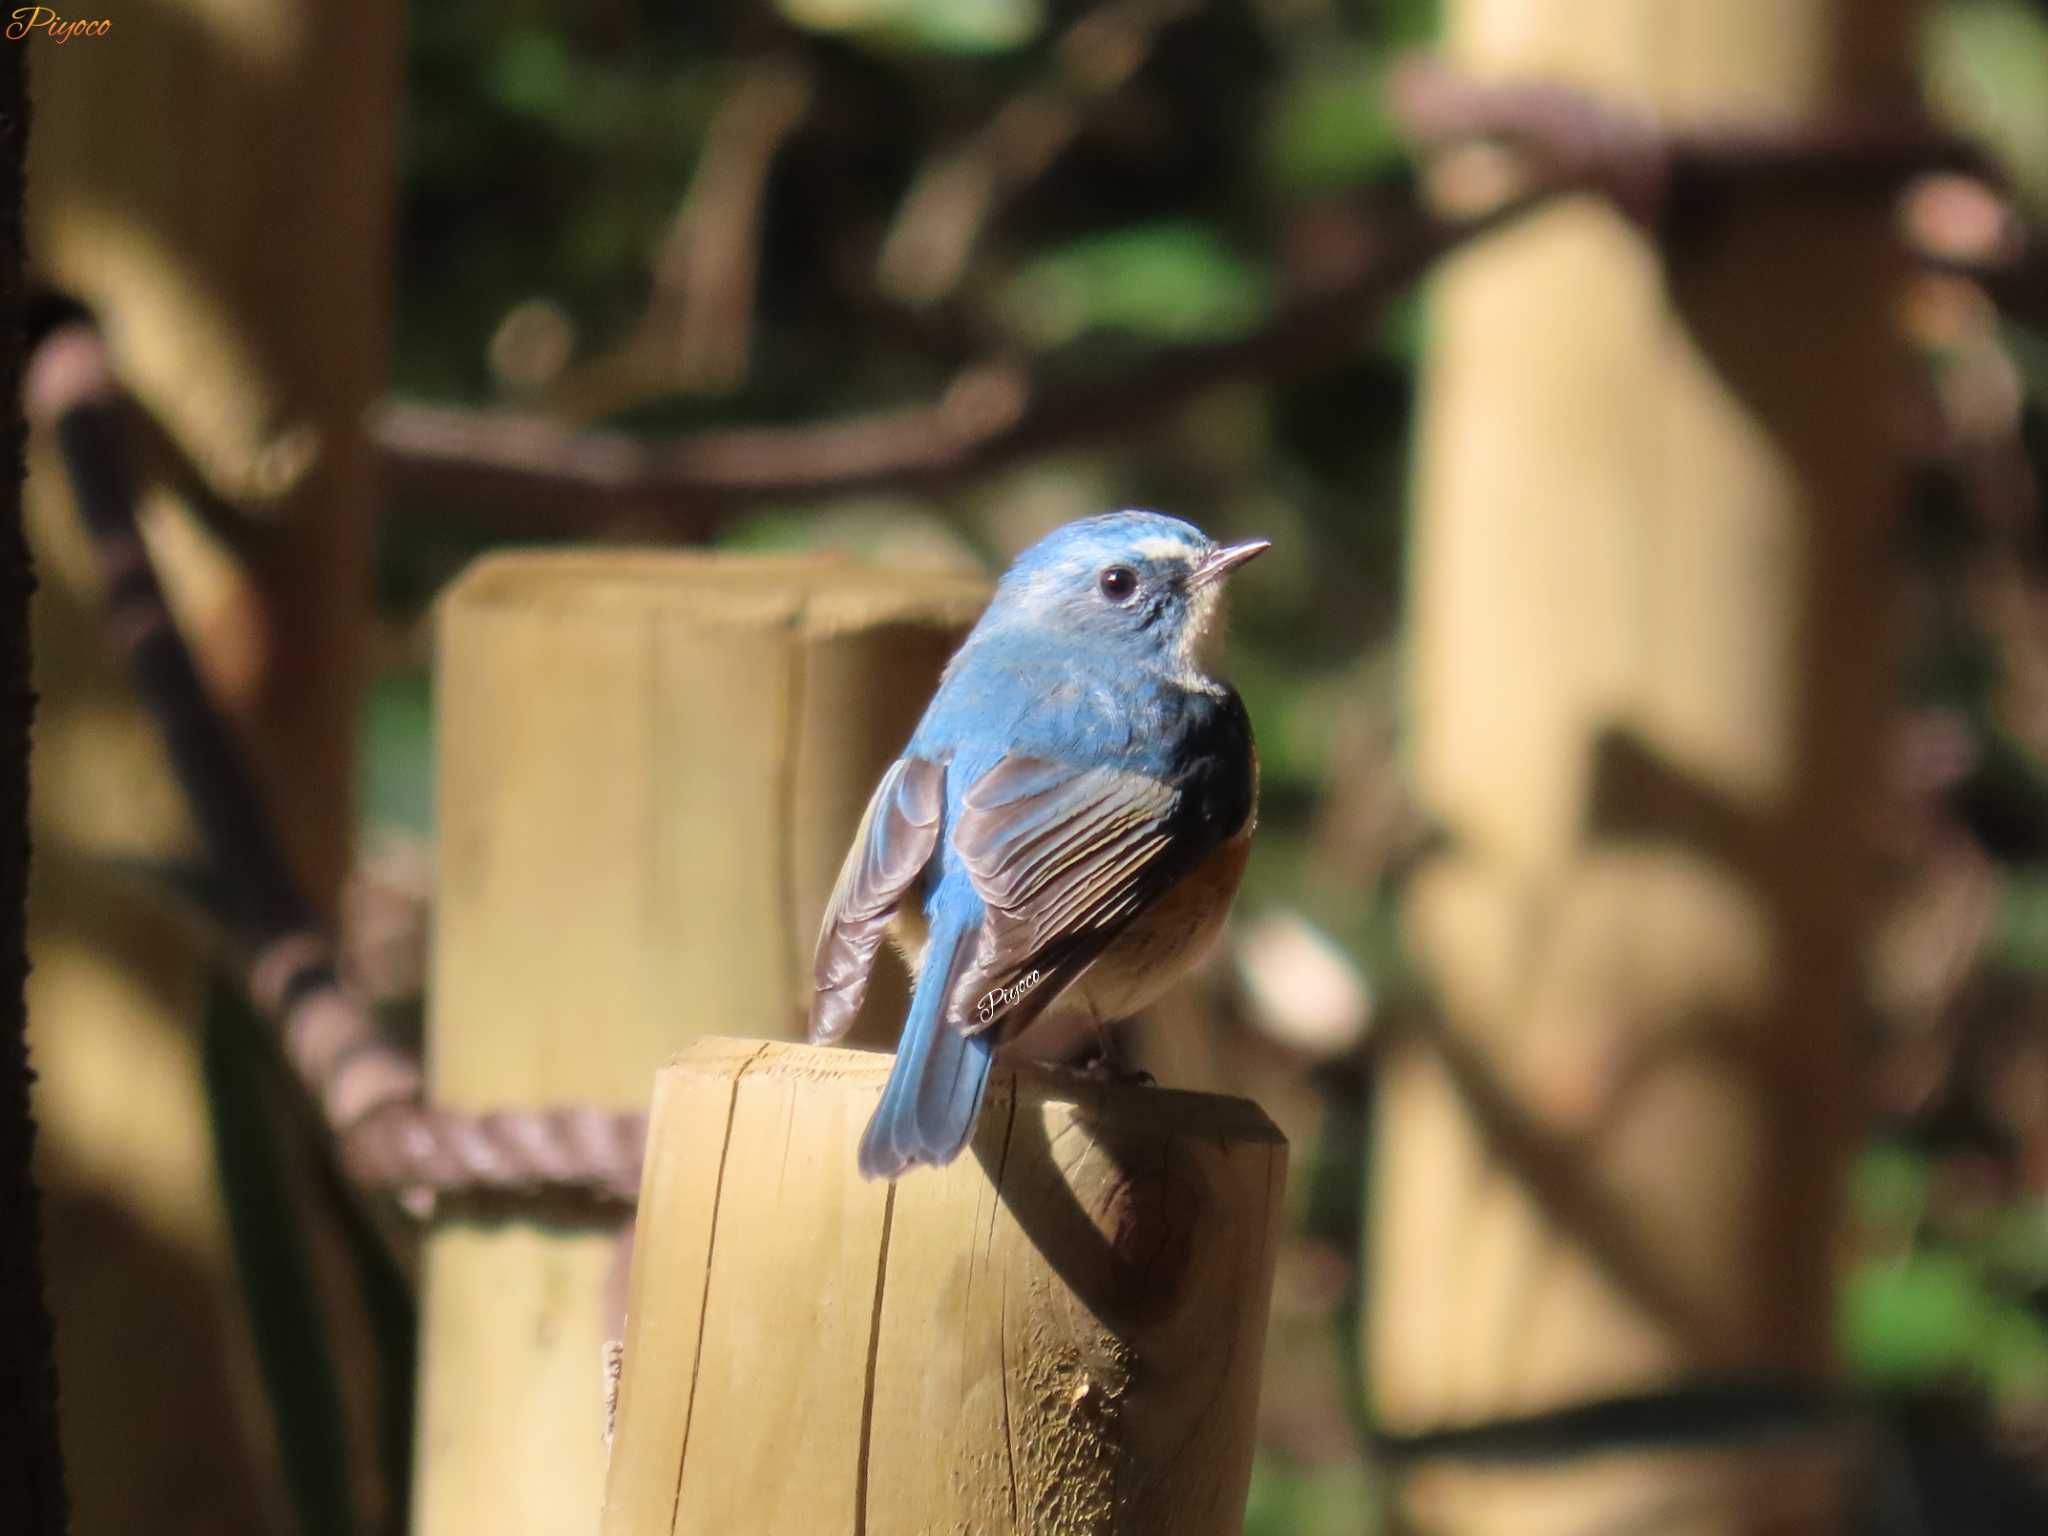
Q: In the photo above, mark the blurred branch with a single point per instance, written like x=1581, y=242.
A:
x=370, y=1093
x=1645, y=166
x=1711, y=1411
x=991, y=416
x=540, y=472
x=959, y=190
x=1955, y=215
x=698, y=326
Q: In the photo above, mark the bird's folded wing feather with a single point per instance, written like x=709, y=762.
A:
x=895, y=841
x=1063, y=858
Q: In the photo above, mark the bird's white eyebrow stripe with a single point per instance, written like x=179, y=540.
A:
x=1163, y=546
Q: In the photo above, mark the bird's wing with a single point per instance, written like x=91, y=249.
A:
x=895, y=841
x=1062, y=857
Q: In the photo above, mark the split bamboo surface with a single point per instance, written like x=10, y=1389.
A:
x=1058, y=1334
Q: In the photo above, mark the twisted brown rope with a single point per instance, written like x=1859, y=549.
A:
x=370, y=1093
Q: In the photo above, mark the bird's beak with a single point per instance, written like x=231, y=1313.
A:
x=1225, y=560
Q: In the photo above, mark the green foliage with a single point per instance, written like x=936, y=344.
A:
x=1889, y=1188
x=1931, y=1319
x=1330, y=129
x=944, y=26
x=536, y=161
x=275, y=1270
x=1987, y=67
x=2020, y=940
x=397, y=758
x=1942, y=1302
x=1162, y=282
x=1324, y=1501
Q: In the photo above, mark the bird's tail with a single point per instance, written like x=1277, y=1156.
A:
x=934, y=1091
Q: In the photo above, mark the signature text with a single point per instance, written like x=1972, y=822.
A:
x=40, y=18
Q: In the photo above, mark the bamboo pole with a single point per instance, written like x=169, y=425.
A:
x=649, y=768
x=1650, y=672
x=1060, y=1333
x=215, y=180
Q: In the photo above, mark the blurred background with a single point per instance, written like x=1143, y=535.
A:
x=395, y=288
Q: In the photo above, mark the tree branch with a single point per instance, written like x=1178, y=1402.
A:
x=543, y=474
x=958, y=191
x=698, y=325
x=539, y=473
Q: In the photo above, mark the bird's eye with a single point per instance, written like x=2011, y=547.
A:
x=1118, y=583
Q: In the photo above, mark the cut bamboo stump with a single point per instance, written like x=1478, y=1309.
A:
x=650, y=766
x=1058, y=1334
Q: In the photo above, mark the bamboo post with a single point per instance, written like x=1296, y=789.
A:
x=1650, y=670
x=1059, y=1334
x=649, y=768
x=216, y=181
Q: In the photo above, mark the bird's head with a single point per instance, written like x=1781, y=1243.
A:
x=1141, y=587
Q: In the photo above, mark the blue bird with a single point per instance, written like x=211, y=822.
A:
x=1064, y=833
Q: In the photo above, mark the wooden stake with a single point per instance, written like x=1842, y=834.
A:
x=239, y=256
x=1059, y=1333
x=1651, y=676
x=650, y=766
